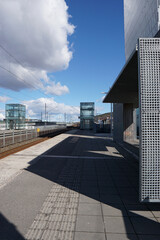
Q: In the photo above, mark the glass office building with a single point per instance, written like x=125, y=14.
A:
x=15, y=115
x=86, y=115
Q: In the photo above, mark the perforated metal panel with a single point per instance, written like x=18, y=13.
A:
x=149, y=85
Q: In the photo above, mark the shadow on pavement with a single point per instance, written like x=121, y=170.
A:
x=99, y=176
x=111, y=180
x=8, y=231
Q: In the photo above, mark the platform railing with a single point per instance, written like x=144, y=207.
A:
x=8, y=137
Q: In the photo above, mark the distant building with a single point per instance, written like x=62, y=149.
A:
x=105, y=117
x=32, y=120
x=15, y=115
x=86, y=115
x=103, y=123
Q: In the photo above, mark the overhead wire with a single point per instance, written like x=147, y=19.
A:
x=8, y=95
x=14, y=75
x=19, y=78
x=23, y=80
x=4, y=49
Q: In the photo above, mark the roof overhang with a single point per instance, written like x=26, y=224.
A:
x=125, y=88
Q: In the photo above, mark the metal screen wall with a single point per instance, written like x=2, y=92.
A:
x=149, y=85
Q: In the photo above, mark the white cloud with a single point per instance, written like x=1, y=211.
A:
x=56, y=89
x=21, y=78
x=35, y=107
x=4, y=99
x=103, y=98
x=31, y=113
x=2, y=112
x=100, y=100
x=98, y=110
x=2, y=116
x=36, y=33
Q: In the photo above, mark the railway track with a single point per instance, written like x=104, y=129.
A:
x=23, y=145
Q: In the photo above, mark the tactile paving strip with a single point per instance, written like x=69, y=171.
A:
x=57, y=216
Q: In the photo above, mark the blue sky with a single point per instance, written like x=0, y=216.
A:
x=98, y=49
x=96, y=40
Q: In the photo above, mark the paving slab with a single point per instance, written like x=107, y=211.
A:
x=105, y=190
x=117, y=210
x=74, y=187
x=13, y=165
x=143, y=225
x=86, y=199
x=118, y=225
x=89, y=189
x=155, y=208
x=89, y=224
x=123, y=191
x=110, y=199
x=89, y=236
x=89, y=209
x=111, y=236
x=130, y=199
x=138, y=210
x=89, y=183
x=149, y=237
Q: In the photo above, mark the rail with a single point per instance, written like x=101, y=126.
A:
x=16, y=136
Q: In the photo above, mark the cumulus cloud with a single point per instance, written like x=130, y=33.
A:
x=35, y=107
x=17, y=77
x=36, y=33
x=98, y=110
x=2, y=116
x=56, y=89
x=103, y=98
x=4, y=99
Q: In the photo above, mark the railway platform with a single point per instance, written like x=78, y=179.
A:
x=76, y=186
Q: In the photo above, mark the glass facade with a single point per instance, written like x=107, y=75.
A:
x=86, y=115
x=141, y=19
x=15, y=116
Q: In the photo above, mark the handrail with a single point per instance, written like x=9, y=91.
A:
x=9, y=137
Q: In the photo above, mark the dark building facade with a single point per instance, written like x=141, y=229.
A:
x=137, y=86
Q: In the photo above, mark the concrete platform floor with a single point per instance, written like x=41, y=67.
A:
x=76, y=186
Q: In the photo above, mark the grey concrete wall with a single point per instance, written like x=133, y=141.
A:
x=118, y=122
x=129, y=122
x=124, y=122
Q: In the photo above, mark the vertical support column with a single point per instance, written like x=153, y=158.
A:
x=35, y=133
x=118, y=122
x=13, y=137
x=26, y=134
x=4, y=139
x=111, y=117
x=135, y=121
x=20, y=135
x=149, y=85
x=129, y=122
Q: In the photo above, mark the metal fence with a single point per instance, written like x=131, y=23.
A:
x=16, y=136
